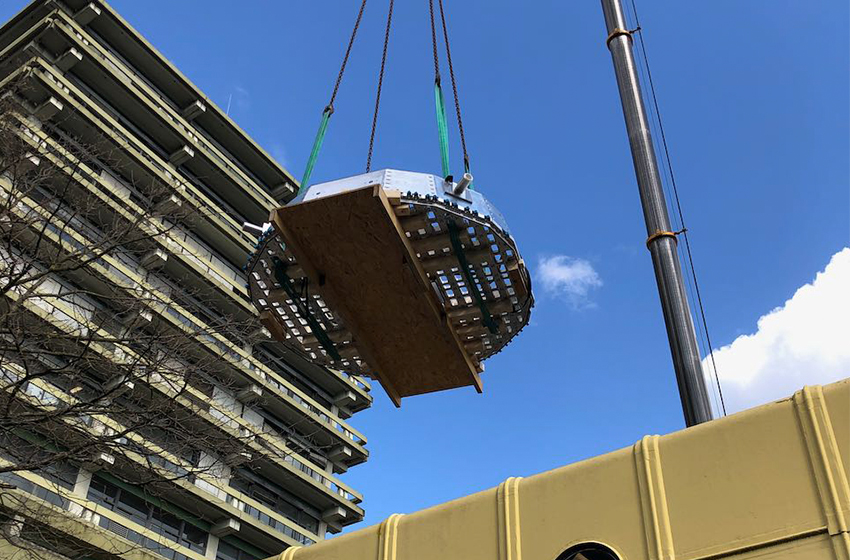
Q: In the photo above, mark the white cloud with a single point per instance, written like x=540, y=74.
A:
x=569, y=278
x=804, y=342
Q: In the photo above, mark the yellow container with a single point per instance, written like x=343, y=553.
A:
x=766, y=483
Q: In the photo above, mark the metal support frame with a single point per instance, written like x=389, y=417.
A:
x=660, y=242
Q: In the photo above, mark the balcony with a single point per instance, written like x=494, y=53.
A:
x=114, y=84
x=286, y=401
x=167, y=83
x=285, y=465
x=119, y=273
x=184, y=248
x=89, y=121
x=205, y=485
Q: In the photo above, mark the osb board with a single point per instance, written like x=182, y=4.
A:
x=352, y=246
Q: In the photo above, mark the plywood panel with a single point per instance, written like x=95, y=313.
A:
x=352, y=246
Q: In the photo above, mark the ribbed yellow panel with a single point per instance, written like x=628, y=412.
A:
x=653, y=498
x=388, y=533
x=289, y=553
x=827, y=465
x=507, y=500
x=769, y=484
x=838, y=404
x=814, y=547
x=841, y=546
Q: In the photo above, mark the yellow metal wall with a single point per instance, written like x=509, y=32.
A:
x=767, y=483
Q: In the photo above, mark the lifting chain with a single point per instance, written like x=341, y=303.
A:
x=380, y=84
x=440, y=101
x=329, y=109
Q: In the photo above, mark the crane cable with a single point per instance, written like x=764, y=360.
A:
x=442, y=127
x=454, y=88
x=439, y=101
x=380, y=84
x=329, y=109
x=684, y=230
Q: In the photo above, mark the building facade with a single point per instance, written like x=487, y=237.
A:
x=124, y=240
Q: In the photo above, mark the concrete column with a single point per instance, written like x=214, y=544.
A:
x=212, y=547
x=81, y=489
x=213, y=466
x=81, y=486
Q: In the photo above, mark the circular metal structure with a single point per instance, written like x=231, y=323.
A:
x=466, y=258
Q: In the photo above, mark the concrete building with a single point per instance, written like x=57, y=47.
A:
x=86, y=78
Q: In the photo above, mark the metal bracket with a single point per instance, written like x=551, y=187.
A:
x=659, y=234
x=449, y=189
x=617, y=32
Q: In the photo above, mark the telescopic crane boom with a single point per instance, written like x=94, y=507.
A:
x=661, y=240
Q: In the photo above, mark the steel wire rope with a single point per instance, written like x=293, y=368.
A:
x=678, y=206
x=434, y=43
x=329, y=109
x=454, y=83
x=678, y=225
x=347, y=54
x=380, y=85
x=440, y=102
x=691, y=285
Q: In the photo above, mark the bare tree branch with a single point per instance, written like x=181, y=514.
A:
x=104, y=363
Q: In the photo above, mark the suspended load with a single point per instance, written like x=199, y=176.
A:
x=409, y=278
x=399, y=276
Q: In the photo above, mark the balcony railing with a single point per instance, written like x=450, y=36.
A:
x=124, y=70
x=270, y=521
x=219, y=411
x=238, y=357
x=185, y=188
x=210, y=268
x=156, y=457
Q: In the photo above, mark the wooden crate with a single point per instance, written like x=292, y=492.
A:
x=355, y=252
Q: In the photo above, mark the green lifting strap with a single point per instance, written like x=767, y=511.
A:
x=457, y=246
x=317, y=146
x=304, y=309
x=442, y=127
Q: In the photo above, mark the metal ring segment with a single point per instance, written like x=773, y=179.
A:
x=616, y=33
x=659, y=234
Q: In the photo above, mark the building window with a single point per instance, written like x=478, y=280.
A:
x=589, y=551
x=35, y=489
x=139, y=539
x=147, y=515
x=17, y=450
x=229, y=552
x=275, y=498
x=296, y=442
x=62, y=473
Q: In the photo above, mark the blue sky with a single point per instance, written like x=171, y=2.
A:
x=755, y=103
